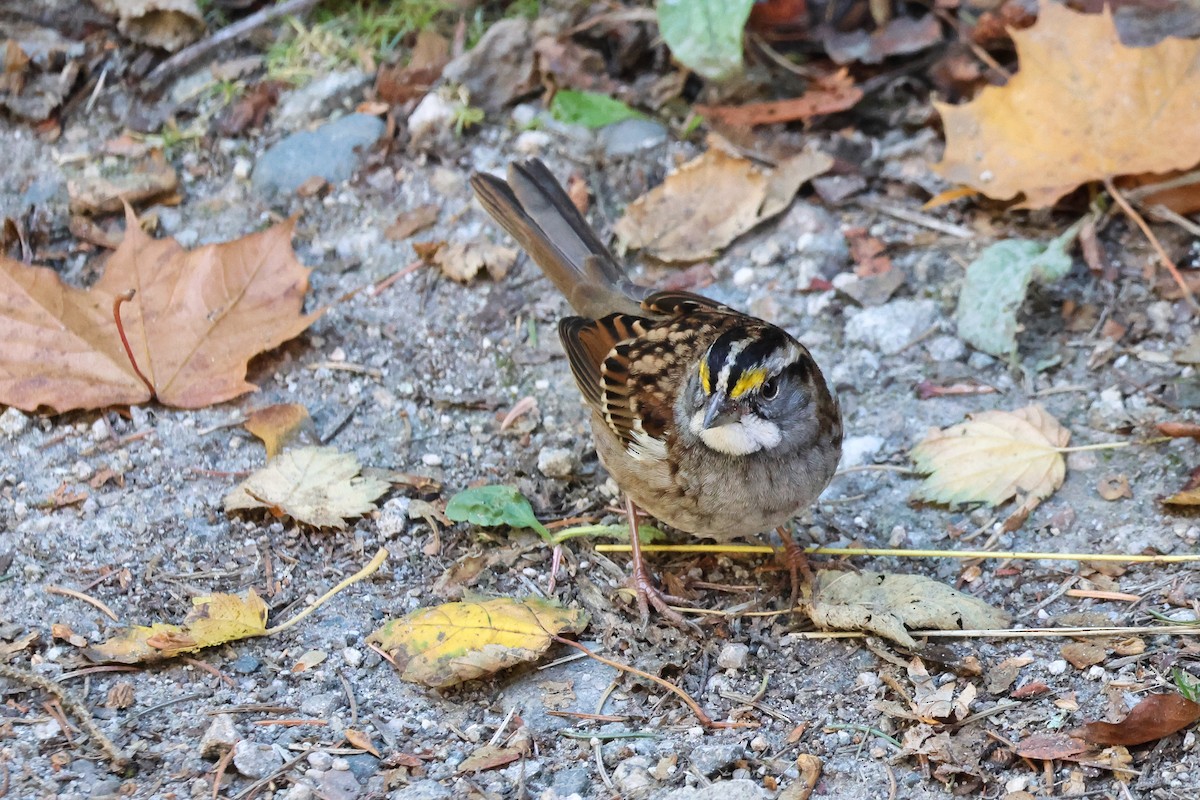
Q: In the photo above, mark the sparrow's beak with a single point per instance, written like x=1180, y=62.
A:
x=720, y=411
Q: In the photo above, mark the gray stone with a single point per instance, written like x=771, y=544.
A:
x=321, y=705
x=429, y=123
x=338, y=785
x=105, y=788
x=630, y=136
x=499, y=68
x=423, y=790
x=221, y=735
x=363, y=766
x=709, y=759
x=556, y=462
x=255, y=760
x=857, y=449
x=721, y=790
x=245, y=664
x=13, y=423
x=314, y=101
x=946, y=348
x=329, y=152
x=632, y=777
x=733, y=656
x=575, y=780
x=889, y=328
x=821, y=248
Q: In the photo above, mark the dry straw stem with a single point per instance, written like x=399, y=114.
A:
x=1018, y=633
x=881, y=552
x=366, y=571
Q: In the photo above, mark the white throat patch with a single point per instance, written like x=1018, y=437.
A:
x=749, y=435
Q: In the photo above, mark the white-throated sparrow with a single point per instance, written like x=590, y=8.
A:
x=714, y=422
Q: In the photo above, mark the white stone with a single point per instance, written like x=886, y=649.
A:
x=556, y=462
x=13, y=423
x=733, y=656
x=857, y=450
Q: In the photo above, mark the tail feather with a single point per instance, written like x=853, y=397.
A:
x=537, y=212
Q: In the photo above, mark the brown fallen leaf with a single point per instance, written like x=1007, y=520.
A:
x=462, y=262
x=869, y=254
x=249, y=112
x=281, y=425
x=1154, y=717
x=412, y=221
x=901, y=35
x=445, y=645
x=828, y=95
x=1114, y=487
x=1050, y=746
x=169, y=24
x=361, y=740
x=1179, y=429
x=711, y=200
x=214, y=619
x=103, y=192
x=1083, y=654
x=993, y=456
x=1082, y=108
x=315, y=485
x=397, y=85
x=1189, y=495
x=890, y=605
x=196, y=320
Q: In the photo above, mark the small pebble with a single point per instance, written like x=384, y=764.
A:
x=1057, y=667
x=733, y=656
x=431, y=460
x=556, y=462
x=13, y=423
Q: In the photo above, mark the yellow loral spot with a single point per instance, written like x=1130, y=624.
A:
x=751, y=379
x=704, y=379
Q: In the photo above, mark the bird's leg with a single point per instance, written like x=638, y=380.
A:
x=797, y=563
x=647, y=593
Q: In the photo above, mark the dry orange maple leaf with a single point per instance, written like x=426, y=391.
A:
x=1083, y=107
x=195, y=320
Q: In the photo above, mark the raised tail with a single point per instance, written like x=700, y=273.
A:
x=535, y=210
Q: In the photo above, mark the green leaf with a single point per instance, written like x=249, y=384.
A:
x=589, y=109
x=491, y=506
x=1188, y=686
x=705, y=35
x=996, y=285
x=647, y=533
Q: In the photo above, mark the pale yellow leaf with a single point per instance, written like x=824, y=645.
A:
x=215, y=619
x=315, y=485
x=891, y=605
x=993, y=456
x=455, y=642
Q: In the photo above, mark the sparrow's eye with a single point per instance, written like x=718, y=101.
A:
x=770, y=389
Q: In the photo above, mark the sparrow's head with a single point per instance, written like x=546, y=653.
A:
x=758, y=389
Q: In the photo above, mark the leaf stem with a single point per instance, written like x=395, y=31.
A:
x=1110, y=445
x=881, y=552
x=379, y=558
x=1157, y=245
x=118, y=301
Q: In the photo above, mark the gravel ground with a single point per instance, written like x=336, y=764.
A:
x=417, y=379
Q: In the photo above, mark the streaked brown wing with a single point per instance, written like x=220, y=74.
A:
x=588, y=343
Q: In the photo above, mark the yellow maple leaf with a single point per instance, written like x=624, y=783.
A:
x=444, y=645
x=214, y=619
x=1083, y=107
x=993, y=456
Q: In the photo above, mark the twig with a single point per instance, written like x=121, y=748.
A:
x=1157, y=245
x=704, y=719
x=1165, y=214
x=1178, y=182
x=118, y=301
x=353, y=579
x=219, y=771
x=349, y=697
x=887, y=552
x=117, y=759
x=865, y=729
x=917, y=218
x=1018, y=633
x=65, y=592
x=185, y=57
x=254, y=787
